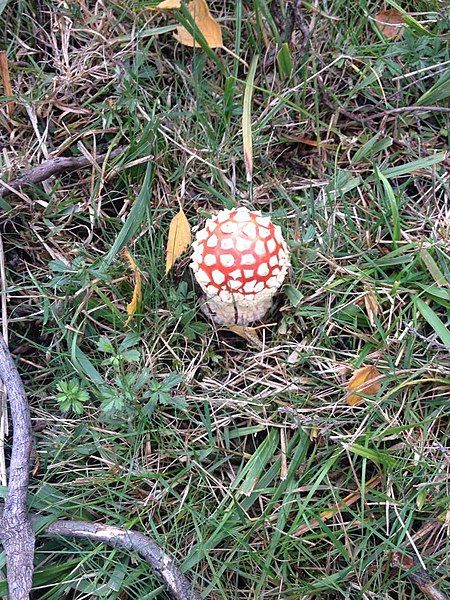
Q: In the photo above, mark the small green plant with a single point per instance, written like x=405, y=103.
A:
x=182, y=304
x=71, y=396
x=133, y=390
x=125, y=353
x=161, y=392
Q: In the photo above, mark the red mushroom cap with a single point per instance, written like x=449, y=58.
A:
x=240, y=255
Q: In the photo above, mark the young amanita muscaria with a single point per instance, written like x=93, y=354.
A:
x=240, y=260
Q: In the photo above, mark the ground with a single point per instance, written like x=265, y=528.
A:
x=243, y=460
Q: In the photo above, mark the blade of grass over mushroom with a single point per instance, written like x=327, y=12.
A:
x=247, y=139
x=441, y=330
x=409, y=19
x=135, y=217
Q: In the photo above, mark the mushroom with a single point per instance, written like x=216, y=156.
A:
x=240, y=260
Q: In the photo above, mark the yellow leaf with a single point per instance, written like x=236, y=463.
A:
x=313, y=433
x=247, y=333
x=363, y=381
x=179, y=239
x=137, y=291
x=166, y=5
x=209, y=27
x=391, y=23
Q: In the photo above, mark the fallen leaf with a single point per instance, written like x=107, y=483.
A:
x=179, y=239
x=166, y=5
x=363, y=381
x=247, y=333
x=313, y=433
x=391, y=23
x=209, y=27
x=137, y=291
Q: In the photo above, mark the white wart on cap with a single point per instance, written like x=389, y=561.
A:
x=240, y=259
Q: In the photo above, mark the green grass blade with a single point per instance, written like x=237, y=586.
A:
x=247, y=140
x=432, y=319
x=415, y=165
x=135, y=217
x=393, y=202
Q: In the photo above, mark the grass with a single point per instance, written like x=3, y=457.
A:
x=233, y=456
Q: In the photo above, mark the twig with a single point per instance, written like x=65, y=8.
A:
x=52, y=167
x=16, y=532
x=3, y=404
x=419, y=577
x=391, y=111
x=133, y=541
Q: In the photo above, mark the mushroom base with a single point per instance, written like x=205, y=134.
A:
x=240, y=311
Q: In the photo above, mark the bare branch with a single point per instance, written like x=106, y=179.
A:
x=133, y=541
x=16, y=532
x=418, y=576
x=51, y=168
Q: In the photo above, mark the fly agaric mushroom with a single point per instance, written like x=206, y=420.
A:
x=240, y=259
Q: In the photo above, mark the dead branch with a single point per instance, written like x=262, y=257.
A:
x=16, y=533
x=53, y=167
x=133, y=541
x=418, y=576
x=401, y=109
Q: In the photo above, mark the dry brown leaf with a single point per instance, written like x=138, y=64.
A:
x=247, y=333
x=391, y=23
x=166, y=5
x=363, y=381
x=6, y=81
x=137, y=291
x=209, y=27
x=178, y=240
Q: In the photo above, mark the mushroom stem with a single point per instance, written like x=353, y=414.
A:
x=243, y=314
